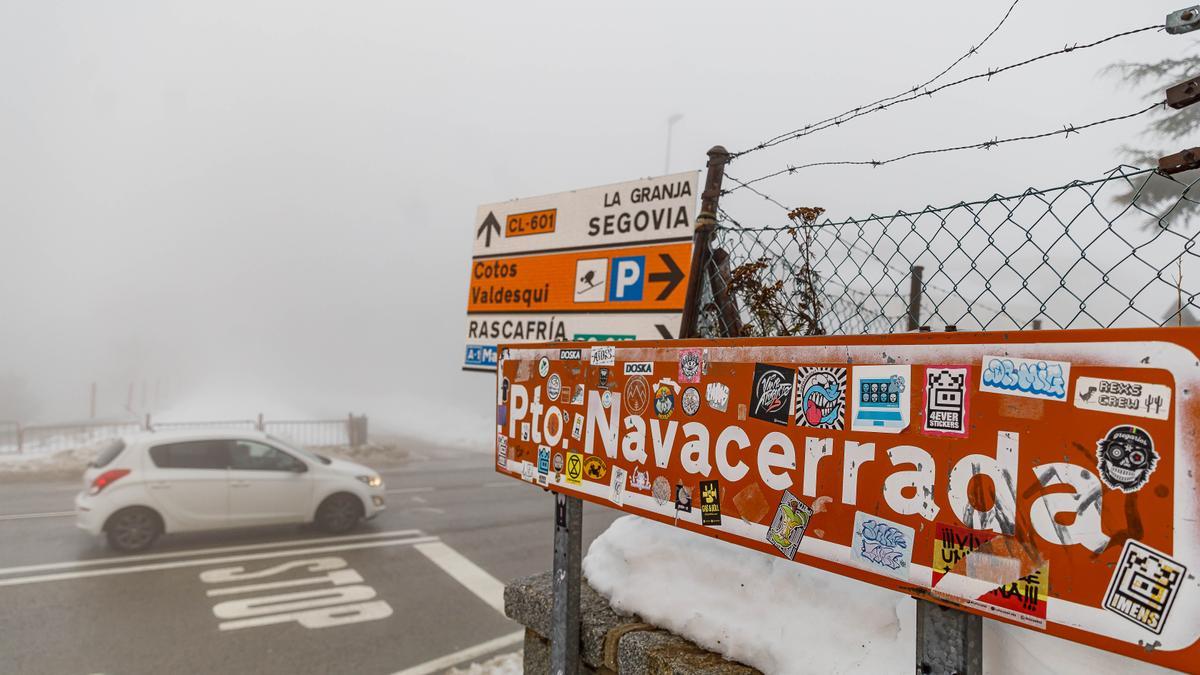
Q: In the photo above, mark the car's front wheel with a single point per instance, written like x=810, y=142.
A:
x=339, y=513
x=133, y=529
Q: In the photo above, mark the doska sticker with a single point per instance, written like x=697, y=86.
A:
x=1144, y=586
x=604, y=356
x=636, y=395
x=1123, y=398
x=789, y=525
x=821, y=398
x=1126, y=457
x=1025, y=377
x=771, y=393
x=881, y=398
x=717, y=395
x=689, y=365
x=710, y=502
x=946, y=400
x=638, y=367
x=879, y=545
x=690, y=401
x=570, y=354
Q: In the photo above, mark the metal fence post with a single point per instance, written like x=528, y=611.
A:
x=949, y=641
x=914, y=297
x=564, y=617
x=259, y=425
x=706, y=224
x=20, y=439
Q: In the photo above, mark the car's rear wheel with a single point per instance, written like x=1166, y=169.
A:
x=339, y=513
x=133, y=529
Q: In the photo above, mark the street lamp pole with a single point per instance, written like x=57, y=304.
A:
x=670, y=126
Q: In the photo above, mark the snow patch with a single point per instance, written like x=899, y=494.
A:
x=784, y=617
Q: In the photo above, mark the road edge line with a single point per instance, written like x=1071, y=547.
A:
x=458, y=657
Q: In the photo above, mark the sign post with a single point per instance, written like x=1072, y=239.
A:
x=568, y=560
x=1044, y=479
x=600, y=264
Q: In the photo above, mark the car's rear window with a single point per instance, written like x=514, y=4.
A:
x=108, y=452
x=191, y=455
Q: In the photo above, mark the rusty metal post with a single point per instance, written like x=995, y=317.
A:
x=706, y=224
x=914, y=297
x=719, y=277
x=568, y=559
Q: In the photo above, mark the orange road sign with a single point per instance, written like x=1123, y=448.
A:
x=1047, y=479
x=626, y=279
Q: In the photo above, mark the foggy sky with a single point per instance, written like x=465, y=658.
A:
x=269, y=206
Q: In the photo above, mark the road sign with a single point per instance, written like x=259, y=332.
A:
x=608, y=280
x=616, y=251
x=1046, y=479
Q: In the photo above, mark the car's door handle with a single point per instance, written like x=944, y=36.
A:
x=240, y=483
x=159, y=486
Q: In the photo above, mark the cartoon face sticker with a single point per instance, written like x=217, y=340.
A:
x=821, y=397
x=1126, y=458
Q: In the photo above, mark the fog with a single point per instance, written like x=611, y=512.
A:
x=232, y=208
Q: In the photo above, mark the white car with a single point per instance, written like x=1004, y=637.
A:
x=143, y=486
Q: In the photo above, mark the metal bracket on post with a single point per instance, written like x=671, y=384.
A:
x=564, y=616
x=1184, y=94
x=706, y=223
x=1180, y=161
x=949, y=641
x=1184, y=20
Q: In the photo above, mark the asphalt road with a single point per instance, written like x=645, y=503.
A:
x=415, y=590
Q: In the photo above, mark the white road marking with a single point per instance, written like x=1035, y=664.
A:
x=200, y=551
x=405, y=491
x=458, y=657
x=475, y=578
x=130, y=569
x=24, y=516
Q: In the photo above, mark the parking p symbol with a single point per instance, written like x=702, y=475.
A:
x=627, y=278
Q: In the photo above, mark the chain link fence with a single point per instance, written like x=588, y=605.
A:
x=1114, y=251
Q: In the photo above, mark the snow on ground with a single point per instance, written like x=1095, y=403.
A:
x=505, y=664
x=783, y=617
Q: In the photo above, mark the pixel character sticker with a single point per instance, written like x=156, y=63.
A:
x=947, y=397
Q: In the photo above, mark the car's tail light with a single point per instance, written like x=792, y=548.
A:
x=107, y=478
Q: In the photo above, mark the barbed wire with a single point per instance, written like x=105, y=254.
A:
x=884, y=104
x=1066, y=131
x=1123, y=172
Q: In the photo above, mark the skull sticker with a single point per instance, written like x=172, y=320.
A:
x=1126, y=458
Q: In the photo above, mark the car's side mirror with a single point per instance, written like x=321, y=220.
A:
x=300, y=467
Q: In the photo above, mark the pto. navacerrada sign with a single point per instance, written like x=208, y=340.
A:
x=1046, y=478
